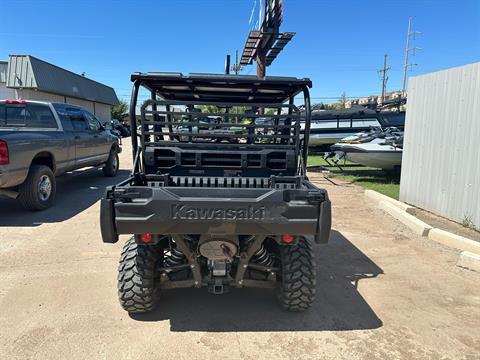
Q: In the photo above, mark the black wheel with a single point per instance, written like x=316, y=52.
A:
x=110, y=168
x=138, y=290
x=296, y=291
x=39, y=188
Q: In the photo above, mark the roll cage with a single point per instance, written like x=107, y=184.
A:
x=257, y=129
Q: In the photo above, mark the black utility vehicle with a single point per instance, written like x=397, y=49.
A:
x=209, y=212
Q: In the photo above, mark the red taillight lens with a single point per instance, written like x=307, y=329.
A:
x=146, y=237
x=4, y=159
x=287, y=238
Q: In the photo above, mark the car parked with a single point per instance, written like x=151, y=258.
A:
x=40, y=140
x=122, y=130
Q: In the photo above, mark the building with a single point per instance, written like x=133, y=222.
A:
x=29, y=78
x=4, y=92
x=373, y=100
x=441, y=156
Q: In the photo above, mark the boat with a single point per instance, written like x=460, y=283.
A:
x=331, y=126
x=376, y=148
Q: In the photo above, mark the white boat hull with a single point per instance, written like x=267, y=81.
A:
x=383, y=160
x=372, y=154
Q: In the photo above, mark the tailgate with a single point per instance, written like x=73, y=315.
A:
x=233, y=211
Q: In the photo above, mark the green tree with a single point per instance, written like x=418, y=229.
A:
x=208, y=109
x=119, y=111
x=343, y=100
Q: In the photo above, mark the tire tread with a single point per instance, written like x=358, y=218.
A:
x=137, y=291
x=298, y=287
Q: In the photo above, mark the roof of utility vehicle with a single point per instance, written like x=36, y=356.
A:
x=221, y=87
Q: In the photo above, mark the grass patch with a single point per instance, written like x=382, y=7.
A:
x=366, y=177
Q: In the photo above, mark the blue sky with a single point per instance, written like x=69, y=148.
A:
x=339, y=44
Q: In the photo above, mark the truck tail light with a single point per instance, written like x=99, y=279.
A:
x=4, y=159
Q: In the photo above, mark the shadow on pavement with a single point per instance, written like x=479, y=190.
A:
x=76, y=191
x=339, y=306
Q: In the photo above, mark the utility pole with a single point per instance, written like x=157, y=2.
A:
x=237, y=67
x=227, y=65
x=384, y=77
x=261, y=63
x=408, y=49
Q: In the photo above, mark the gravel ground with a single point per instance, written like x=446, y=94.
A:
x=383, y=293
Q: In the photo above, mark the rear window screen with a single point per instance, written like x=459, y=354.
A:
x=27, y=116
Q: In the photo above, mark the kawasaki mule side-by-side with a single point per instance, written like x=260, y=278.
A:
x=218, y=204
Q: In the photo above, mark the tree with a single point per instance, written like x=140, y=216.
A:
x=119, y=111
x=331, y=106
x=209, y=109
x=343, y=100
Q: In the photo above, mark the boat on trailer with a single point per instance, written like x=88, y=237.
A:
x=376, y=148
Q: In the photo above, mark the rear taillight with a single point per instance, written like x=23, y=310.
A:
x=146, y=237
x=287, y=238
x=4, y=159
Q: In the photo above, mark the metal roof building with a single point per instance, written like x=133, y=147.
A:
x=30, y=78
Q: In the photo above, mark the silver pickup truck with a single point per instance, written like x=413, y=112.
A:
x=39, y=140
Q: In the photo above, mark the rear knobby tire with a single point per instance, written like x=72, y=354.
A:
x=110, y=168
x=296, y=291
x=39, y=188
x=137, y=285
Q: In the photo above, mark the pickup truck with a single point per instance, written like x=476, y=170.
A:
x=40, y=140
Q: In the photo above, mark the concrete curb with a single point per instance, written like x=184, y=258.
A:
x=377, y=197
x=454, y=241
x=469, y=258
x=469, y=261
x=418, y=226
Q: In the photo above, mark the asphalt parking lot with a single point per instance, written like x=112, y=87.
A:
x=383, y=293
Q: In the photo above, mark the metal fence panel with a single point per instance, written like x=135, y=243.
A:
x=441, y=157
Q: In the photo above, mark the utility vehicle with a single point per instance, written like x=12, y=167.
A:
x=208, y=212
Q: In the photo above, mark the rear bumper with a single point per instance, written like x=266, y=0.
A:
x=225, y=211
x=10, y=178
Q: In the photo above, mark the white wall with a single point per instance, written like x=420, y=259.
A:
x=29, y=94
x=6, y=93
x=441, y=157
x=83, y=103
x=102, y=111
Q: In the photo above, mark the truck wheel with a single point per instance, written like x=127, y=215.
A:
x=137, y=284
x=110, y=168
x=39, y=188
x=296, y=291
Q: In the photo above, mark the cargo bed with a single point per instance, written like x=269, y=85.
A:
x=201, y=205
